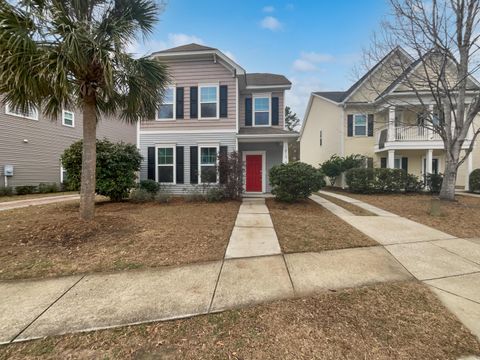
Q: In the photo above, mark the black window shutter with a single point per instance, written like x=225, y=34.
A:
x=370, y=124
x=193, y=164
x=369, y=162
x=350, y=125
x=151, y=163
x=248, y=111
x=405, y=164
x=180, y=160
x=223, y=101
x=179, y=104
x=223, y=155
x=383, y=162
x=275, y=110
x=193, y=102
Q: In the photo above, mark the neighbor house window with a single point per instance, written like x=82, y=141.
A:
x=321, y=138
x=360, y=124
x=166, y=164
x=31, y=113
x=208, y=164
x=63, y=175
x=68, y=118
x=261, y=110
x=208, y=102
x=167, y=108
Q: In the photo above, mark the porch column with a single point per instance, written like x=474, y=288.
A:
x=428, y=161
x=391, y=159
x=469, y=162
x=285, y=152
x=391, y=123
x=429, y=131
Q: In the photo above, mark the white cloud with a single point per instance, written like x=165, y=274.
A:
x=316, y=57
x=298, y=97
x=268, y=9
x=271, y=23
x=173, y=40
x=183, y=39
x=308, y=61
x=304, y=65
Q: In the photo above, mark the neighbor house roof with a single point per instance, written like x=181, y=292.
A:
x=337, y=96
x=186, y=48
x=265, y=131
x=263, y=80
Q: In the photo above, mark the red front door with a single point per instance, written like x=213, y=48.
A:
x=253, y=173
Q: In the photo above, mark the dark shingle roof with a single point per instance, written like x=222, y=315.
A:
x=265, y=131
x=336, y=96
x=186, y=48
x=264, y=79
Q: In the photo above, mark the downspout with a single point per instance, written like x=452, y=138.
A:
x=342, y=141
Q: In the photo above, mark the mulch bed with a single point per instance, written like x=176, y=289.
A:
x=307, y=226
x=51, y=240
x=388, y=321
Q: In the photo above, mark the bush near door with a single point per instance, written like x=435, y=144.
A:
x=474, y=181
x=380, y=180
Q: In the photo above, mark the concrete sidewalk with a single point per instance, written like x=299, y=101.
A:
x=16, y=204
x=449, y=265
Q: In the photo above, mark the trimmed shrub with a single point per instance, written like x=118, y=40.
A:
x=44, y=188
x=361, y=180
x=379, y=180
x=117, y=164
x=140, y=196
x=413, y=183
x=295, y=181
x=151, y=186
x=332, y=168
x=474, y=180
x=25, y=189
x=389, y=180
x=434, y=182
x=215, y=194
x=6, y=191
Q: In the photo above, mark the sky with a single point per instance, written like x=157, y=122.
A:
x=315, y=43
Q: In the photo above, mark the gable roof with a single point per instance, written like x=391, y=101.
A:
x=263, y=80
x=336, y=96
x=186, y=48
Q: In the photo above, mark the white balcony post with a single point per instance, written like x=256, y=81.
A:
x=391, y=123
x=391, y=159
x=429, y=161
x=469, y=170
x=285, y=152
x=429, y=132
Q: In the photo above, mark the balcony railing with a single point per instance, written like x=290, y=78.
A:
x=407, y=133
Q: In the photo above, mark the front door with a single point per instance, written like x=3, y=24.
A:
x=253, y=173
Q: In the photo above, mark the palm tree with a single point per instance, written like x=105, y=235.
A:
x=57, y=54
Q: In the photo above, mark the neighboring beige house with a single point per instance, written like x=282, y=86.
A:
x=214, y=106
x=375, y=124
x=33, y=144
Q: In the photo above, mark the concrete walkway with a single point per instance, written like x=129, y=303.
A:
x=449, y=265
x=10, y=205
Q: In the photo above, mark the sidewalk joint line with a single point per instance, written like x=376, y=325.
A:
x=460, y=256
x=452, y=293
x=452, y=276
x=289, y=275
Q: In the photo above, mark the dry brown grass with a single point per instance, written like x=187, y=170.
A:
x=388, y=321
x=307, y=226
x=50, y=240
x=459, y=218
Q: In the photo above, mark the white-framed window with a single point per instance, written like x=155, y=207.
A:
x=208, y=105
x=360, y=125
x=262, y=115
x=207, y=164
x=31, y=114
x=165, y=160
x=397, y=163
x=68, y=118
x=167, y=108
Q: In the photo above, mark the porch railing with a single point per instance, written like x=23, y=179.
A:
x=406, y=133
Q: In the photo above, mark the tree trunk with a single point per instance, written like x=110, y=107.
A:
x=447, y=191
x=89, y=161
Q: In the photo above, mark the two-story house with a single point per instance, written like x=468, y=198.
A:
x=375, y=118
x=32, y=144
x=213, y=106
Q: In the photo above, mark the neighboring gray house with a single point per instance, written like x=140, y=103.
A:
x=214, y=106
x=33, y=144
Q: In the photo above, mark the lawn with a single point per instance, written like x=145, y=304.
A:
x=459, y=218
x=34, y=196
x=307, y=226
x=388, y=321
x=358, y=211
x=50, y=240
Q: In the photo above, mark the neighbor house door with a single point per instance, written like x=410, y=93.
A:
x=254, y=173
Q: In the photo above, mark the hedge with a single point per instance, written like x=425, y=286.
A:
x=380, y=180
x=474, y=180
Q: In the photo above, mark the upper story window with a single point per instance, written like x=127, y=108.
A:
x=261, y=111
x=208, y=164
x=208, y=102
x=31, y=113
x=166, y=164
x=68, y=118
x=360, y=124
x=167, y=108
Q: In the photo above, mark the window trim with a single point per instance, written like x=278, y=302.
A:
x=200, y=147
x=62, y=169
x=63, y=118
x=166, y=146
x=200, y=86
x=174, y=103
x=9, y=111
x=354, y=125
x=262, y=96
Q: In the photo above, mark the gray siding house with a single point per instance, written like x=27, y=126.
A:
x=33, y=144
x=212, y=106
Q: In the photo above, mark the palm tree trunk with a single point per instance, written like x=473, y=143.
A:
x=447, y=191
x=89, y=157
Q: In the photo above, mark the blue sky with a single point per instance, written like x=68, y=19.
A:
x=315, y=43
